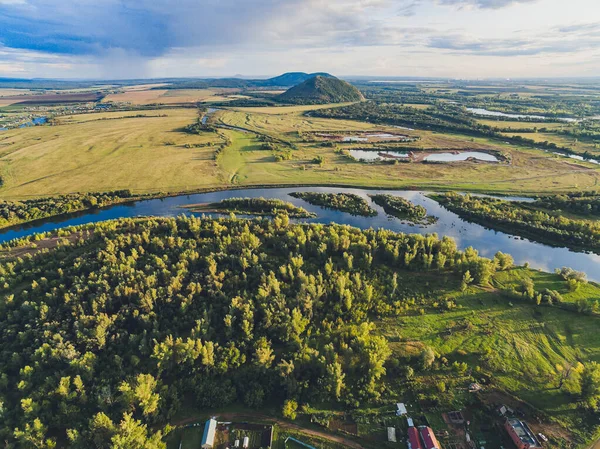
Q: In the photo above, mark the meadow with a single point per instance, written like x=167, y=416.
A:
x=145, y=151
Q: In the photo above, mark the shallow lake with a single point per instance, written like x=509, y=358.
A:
x=577, y=157
x=463, y=156
x=466, y=234
x=486, y=113
x=376, y=155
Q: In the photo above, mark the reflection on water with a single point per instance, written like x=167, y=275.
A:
x=376, y=155
x=466, y=234
x=463, y=156
x=486, y=113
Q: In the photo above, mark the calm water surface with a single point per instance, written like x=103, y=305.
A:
x=466, y=234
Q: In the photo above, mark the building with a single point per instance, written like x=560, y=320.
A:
x=246, y=443
x=401, y=409
x=428, y=438
x=208, y=438
x=391, y=434
x=410, y=422
x=521, y=434
x=414, y=442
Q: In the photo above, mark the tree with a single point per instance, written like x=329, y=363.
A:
x=466, y=280
x=289, y=409
x=132, y=434
x=34, y=435
x=590, y=385
x=427, y=357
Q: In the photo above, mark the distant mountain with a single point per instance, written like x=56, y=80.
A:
x=321, y=89
x=294, y=78
x=285, y=80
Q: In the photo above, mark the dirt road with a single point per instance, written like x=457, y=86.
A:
x=284, y=425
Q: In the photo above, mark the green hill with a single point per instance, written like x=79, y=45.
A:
x=320, y=89
x=294, y=78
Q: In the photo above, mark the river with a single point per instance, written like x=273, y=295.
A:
x=486, y=241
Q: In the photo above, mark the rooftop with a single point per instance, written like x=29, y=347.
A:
x=524, y=432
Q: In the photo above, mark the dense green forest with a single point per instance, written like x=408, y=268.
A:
x=402, y=208
x=16, y=212
x=345, y=202
x=253, y=206
x=580, y=203
x=321, y=89
x=113, y=331
x=526, y=220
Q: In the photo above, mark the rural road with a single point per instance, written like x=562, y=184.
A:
x=284, y=425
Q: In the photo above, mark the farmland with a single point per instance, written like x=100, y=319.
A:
x=95, y=152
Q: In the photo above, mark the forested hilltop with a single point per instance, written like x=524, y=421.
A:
x=106, y=337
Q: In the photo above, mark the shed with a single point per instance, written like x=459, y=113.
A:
x=391, y=434
x=208, y=438
x=401, y=409
x=246, y=442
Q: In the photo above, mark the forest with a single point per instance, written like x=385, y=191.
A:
x=103, y=339
x=16, y=212
x=344, y=202
x=402, y=208
x=253, y=206
x=544, y=226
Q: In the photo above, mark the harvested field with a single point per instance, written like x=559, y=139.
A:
x=52, y=98
x=169, y=96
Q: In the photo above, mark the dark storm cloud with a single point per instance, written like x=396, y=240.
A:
x=147, y=27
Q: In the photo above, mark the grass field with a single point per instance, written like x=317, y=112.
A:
x=169, y=96
x=521, y=344
x=578, y=146
x=111, y=150
x=521, y=125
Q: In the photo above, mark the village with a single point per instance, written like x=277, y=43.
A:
x=406, y=427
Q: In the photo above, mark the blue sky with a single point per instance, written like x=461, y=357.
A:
x=161, y=38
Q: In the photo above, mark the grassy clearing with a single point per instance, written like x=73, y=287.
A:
x=550, y=281
x=574, y=144
x=521, y=125
x=520, y=344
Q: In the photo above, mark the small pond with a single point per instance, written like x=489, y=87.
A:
x=461, y=156
x=371, y=156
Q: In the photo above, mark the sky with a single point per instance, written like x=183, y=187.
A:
x=118, y=39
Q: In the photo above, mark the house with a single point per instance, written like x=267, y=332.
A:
x=521, y=434
x=401, y=409
x=246, y=443
x=208, y=438
x=414, y=442
x=391, y=434
x=428, y=437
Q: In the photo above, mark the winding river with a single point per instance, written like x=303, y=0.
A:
x=466, y=234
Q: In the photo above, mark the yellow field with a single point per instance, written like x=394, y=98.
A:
x=103, y=155
x=563, y=141
x=522, y=125
x=105, y=151
x=169, y=96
